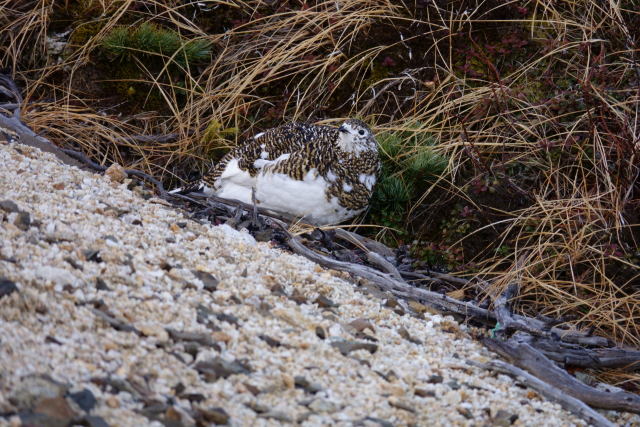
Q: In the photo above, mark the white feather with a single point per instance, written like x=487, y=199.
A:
x=368, y=180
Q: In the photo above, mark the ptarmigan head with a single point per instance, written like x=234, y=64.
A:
x=355, y=137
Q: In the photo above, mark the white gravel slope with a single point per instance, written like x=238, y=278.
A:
x=146, y=254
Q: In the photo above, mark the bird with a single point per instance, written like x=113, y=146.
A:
x=321, y=174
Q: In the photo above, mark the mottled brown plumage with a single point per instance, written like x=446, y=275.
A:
x=343, y=162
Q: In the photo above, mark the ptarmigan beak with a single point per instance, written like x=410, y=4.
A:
x=343, y=129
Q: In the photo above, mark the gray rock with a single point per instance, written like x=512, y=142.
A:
x=215, y=415
x=34, y=388
x=9, y=206
x=420, y=392
x=84, y=399
x=346, y=347
x=91, y=421
x=504, y=418
x=7, y=287
x=23, y=221
x=324, y=302
x=201, y=338
x=220, y=368
x=210, y=283
x=41, y=420
x=381, y=422
x=323, y=405
x=277, y=415
x=435, y=379
x=306, y=385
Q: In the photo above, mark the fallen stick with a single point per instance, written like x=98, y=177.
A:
x=531, y=360
x=571, y=404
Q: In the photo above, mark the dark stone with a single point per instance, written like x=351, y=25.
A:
x=51, y=340
x=381, y=422
x=115, y=385
x=389, y=376
x=320, y=332
x=278, y=289
x=9, y=206
x=23, y=221
x=465, y=412
x=194, y=397
x=191, y=348
x=272, y=342
x=85, y=399
x=216, y=416
x=229, y=318
x=73, y=263
x=405, y=334
x=210, y=283
x=154, y=409
x=346, y=347
x=33, y=419
x=110, y=237
x=402, y=405
x=420, y=392
x=90, y=421
x=92, y=255
x=504, y=418
x=198, y=337
x=325, y=302
x=454, y=385
x=179, y=388
x=252, y=389
x=101, y=285
x=7, y=287
x=306, y=385
x=203, y=315
x=216, y=368
x=435, y=379
x=257, y=407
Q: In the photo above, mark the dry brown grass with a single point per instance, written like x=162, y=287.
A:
x=552, y=124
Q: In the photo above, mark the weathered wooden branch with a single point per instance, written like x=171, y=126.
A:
x=396, y=287
x=575, y=355
x=571, y=404
x=533, y=361
x=508, y=322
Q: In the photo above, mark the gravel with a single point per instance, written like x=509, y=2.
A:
x=118, y=310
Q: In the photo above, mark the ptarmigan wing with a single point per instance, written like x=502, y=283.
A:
x=240, y=166
x=293, y=140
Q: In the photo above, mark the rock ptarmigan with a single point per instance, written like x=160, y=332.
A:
x=322, y=174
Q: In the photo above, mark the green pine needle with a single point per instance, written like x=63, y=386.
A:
x=152, y=40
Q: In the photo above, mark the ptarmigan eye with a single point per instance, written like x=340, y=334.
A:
x=361, y=132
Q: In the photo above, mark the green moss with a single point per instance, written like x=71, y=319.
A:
x=378, y=72
x=217, y=138
x=83, y=33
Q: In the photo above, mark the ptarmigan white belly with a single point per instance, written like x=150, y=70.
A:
x=279, y=192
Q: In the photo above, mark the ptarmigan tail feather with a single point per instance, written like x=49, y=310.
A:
x=193, y=187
